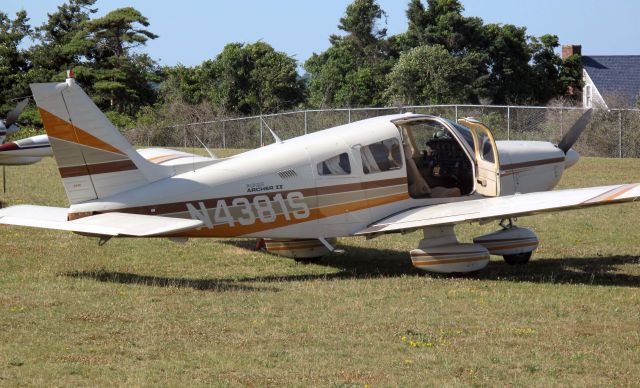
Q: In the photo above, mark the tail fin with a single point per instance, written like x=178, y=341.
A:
x=94, y=159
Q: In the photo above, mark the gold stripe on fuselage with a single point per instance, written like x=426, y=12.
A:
x=322, y=202
x=225, y=230
x=308, y=193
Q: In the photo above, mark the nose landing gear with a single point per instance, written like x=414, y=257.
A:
x=513, y=243
x=440, y=250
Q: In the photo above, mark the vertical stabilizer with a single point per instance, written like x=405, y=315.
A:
x=93, y=157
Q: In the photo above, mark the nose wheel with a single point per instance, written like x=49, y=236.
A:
x=513, y=243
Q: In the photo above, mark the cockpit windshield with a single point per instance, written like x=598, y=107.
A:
x=464, y=132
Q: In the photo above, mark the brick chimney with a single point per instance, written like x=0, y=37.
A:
x=571, y=49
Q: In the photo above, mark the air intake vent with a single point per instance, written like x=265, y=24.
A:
x=287, y=174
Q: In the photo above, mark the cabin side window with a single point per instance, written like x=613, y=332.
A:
x=381, y=156
x=337, y=165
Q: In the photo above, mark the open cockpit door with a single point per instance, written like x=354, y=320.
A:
x=439, y=157
x=486, y=158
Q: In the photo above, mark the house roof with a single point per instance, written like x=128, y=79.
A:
x=614, y=75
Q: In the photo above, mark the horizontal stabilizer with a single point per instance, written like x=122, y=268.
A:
x=106, y=224
x=497, y=208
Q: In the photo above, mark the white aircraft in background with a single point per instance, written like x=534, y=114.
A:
x=388, y=174
x=24, y=151
x=32, y=149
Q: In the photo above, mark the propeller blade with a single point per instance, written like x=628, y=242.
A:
x=576, y=130
x=12, y=117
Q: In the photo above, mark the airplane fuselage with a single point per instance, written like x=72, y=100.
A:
x=284, y=189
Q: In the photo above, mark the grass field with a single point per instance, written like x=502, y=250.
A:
x=151, y=312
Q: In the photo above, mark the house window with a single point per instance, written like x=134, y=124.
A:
x=338, y=165
x=589, y=96
x=381, y=156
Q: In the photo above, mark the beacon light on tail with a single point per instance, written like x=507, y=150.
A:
x=389, y=174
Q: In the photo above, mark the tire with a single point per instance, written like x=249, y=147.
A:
x=518, y=259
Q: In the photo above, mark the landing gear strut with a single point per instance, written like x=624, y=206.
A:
x=506, y=223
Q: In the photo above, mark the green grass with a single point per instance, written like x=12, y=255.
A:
x=151, y=312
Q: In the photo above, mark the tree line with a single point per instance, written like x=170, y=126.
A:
x=444, y=57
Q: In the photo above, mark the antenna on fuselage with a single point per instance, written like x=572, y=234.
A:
x=211, y=154
x=275, y=137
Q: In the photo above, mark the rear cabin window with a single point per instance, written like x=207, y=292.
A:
x=381, y=156
x=338, y=165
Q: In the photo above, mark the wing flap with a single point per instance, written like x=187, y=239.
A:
x=487, y=209
x=106, y=224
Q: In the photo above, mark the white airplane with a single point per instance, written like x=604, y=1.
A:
x=24, y=151
x=388, y=174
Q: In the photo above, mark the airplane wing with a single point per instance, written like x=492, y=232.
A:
x=106, y=224
x=496, y=208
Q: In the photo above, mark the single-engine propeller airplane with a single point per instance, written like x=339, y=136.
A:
x=24, y=151
x=388, y=174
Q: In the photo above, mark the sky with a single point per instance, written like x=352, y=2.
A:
x=192, y=31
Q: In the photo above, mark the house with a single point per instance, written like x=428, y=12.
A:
x=610, y=81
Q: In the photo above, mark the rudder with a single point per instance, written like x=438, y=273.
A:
x=94, y=159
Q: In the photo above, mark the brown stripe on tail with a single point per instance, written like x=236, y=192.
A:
x=100, y=168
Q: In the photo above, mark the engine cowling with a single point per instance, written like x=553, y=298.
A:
x=509, y=241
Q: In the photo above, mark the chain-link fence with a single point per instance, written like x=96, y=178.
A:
x=611, y=133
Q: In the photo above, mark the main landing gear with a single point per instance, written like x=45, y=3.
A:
x=295, y=248
x=440, y=250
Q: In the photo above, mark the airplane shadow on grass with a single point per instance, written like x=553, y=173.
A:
x=219, y=285
x=370, y=263
x=360, y=262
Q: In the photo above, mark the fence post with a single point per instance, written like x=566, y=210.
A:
x=620, y=133
x=184, y=134
x=261, y=140
x=306, y=124
x=456, y=118
x=224, y=136
x=349, y=115
x=561, y=122
x=508, y=123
